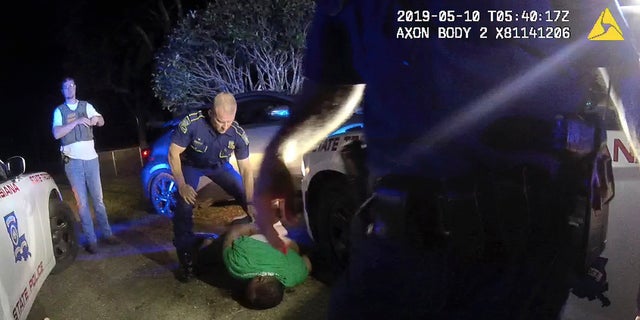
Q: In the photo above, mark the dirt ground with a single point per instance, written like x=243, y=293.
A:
x=135, y=280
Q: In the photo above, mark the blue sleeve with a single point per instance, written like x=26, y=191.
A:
x=182, y=135
x=241, y=150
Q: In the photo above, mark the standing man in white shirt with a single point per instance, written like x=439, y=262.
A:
x=73, y=123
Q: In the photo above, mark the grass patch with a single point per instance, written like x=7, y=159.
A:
x=122, y=197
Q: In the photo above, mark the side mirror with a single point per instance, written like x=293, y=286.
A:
x=16, y=166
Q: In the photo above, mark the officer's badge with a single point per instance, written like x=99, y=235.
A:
x=20, y=245
x=198, y=146
x=231, y=145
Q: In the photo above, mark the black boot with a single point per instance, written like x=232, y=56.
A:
x=187, y=270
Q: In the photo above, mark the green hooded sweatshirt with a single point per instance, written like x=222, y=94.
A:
x=247, y=258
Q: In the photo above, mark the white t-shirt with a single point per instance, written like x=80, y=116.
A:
x=83, y=150
x=282, y=232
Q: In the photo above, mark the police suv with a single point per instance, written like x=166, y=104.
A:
x=38, y=237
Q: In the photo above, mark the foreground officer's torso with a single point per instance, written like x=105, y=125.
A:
x=206, y=147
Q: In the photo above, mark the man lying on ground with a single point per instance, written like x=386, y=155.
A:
x=248, y=256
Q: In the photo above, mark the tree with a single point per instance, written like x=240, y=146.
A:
x=233, y=46
x=110, y=49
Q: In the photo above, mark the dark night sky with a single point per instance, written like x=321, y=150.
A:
x=35, y=58
x=31, y=65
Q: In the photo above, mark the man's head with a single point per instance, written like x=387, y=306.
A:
x=223, y=111
x=264, y=292
x=68, y=88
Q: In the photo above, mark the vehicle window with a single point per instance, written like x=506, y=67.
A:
x=4, y=174
x=261, y=111
x=153, y=133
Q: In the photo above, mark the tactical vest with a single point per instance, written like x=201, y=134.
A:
x=80, y=132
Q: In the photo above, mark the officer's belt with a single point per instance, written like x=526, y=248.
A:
x=206, y=166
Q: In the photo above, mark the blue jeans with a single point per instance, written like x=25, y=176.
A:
x=84, y=175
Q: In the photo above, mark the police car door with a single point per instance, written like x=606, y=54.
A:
x=21, y=267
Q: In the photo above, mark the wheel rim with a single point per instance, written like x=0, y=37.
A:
x=163, y=189
x=62, y=236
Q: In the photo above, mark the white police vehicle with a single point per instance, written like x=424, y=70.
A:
x=328, y=196
x=37, y=238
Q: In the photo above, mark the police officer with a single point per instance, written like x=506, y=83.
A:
x=479, y=148
x=201, y=146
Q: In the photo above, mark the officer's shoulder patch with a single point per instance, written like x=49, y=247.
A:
x=240, y=131
x=188, y=119
x=195, y=116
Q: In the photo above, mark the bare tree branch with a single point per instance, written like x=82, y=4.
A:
x=232, y=46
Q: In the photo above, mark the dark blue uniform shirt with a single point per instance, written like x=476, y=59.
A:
x=206, y=147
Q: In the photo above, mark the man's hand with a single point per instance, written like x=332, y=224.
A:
x=83, y=121
x=188, y=193
x=95, y=121
x=274, y=183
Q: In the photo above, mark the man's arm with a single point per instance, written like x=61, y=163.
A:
x=322, y=106
x=93, y=115
x=63, y=130
x=185, y=190
x=320, y=110
x=237, y=231
x=244, y=166
x=97, y=121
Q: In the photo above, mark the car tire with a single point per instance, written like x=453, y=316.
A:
x=161, y=193
x=330, y=211
x=64, y=235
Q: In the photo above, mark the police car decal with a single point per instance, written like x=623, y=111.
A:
x=334, y=143
x=9, y=189
x=198, y=146
x=621, y=150
x=28, y=292
x=20, y=246
x=39, y=177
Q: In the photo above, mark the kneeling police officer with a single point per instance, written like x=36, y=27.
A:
x=201, y=146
